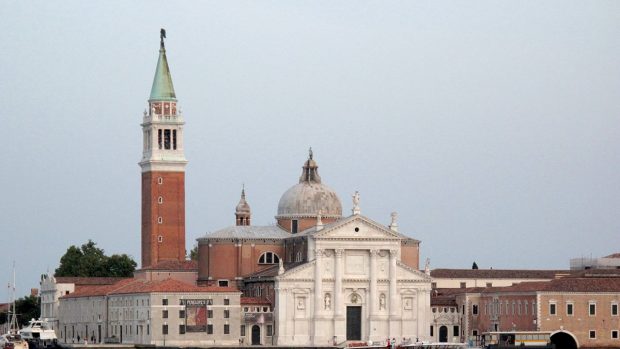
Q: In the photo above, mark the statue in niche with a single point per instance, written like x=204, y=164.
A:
x=301, y=303
x=328, y=301
x=407, y=303
x=382, y=301
x=354, y=298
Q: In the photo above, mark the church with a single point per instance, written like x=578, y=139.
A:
x=315, y=277
x=329, y=277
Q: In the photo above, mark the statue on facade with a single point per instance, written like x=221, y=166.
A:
x=356, y=203
x=319, y=221
x=382, y=301
x=328, y=301
x=427, y=266
x=394, y=223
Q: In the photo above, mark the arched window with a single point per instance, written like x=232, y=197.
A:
x=269, y=258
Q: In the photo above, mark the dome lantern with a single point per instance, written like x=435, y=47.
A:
x=303, y=201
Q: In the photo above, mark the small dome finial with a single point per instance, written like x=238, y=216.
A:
x=243, y=213
x=162, y=36
x=310, y=153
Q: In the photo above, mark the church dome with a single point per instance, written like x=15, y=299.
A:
x=309, y=196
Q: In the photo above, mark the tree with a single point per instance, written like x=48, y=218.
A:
x=120, y=265
x=27, y=308
x=474, y=266
x=91, y=261
x=193, y=254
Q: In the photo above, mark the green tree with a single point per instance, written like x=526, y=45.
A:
x=193, y=254
x=91, y=261
x=120, y=265
x=27, y=308
x=474, y=266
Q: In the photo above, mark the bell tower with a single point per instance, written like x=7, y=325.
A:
x=163, y=171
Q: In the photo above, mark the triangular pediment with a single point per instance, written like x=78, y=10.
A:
x=356, y=227
x=300, y=272
x=406, y=272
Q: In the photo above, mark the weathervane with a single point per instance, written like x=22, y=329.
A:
x=162, y=36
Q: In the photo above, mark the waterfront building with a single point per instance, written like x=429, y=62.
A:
x=52, y=288
x=578, y=310
x=163, y=312
x=608, y=262
x=466, y=278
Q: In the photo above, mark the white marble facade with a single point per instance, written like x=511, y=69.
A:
x=355, y=268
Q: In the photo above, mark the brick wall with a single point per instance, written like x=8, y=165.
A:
x=163, y=196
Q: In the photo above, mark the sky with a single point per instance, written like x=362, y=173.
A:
x=491, y=127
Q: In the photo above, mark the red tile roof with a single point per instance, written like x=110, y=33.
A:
x=443, y=300
x=168, y=285
x=80, y=281
x=589, y=284
x=614, y=255
x=129, y=286
x=253, y=301
x=569, y=284
x=498, y=274
x=599, y=273
x=97, y=290
x=174, y=265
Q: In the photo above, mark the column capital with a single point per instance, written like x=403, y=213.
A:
x=374, y=252
x=394, y=253
x=319, y=252
x=339, y=252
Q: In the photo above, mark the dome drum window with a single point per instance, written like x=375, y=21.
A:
x=269, y=258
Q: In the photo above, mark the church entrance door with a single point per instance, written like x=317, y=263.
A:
x=255, y=335
x=354, y=323
x=443, y=334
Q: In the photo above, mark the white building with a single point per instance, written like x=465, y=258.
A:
x=608, y=262
x=161, y=312
x=354, y=288
x=52, y=288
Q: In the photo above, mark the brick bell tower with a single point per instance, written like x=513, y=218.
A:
x=163, y=171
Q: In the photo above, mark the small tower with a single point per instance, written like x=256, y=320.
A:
x=243, y=212
x=163, y=171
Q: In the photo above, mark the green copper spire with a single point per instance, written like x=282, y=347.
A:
x=162, y=89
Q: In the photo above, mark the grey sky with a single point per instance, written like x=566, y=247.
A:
x=493, y=128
